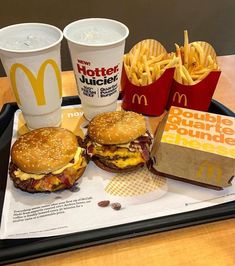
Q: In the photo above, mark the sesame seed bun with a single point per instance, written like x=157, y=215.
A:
x=117, y=127
x=44, y=150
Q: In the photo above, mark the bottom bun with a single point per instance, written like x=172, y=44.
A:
x=49, y=182
x=113, y=168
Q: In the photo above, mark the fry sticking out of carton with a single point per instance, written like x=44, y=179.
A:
x=196, y=75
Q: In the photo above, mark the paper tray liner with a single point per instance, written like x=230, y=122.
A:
x=14, y=250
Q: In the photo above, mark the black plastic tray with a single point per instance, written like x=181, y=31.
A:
x=17, y=250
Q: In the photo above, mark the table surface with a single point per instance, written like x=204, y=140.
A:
x=207, y=244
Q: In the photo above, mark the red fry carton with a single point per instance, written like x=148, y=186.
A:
x=148, y=99
x=199, y=95
x=195, y=147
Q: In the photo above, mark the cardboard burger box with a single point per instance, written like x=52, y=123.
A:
x=196, y=147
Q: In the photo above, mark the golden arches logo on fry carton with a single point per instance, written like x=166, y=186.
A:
x=147, y=76
x=180, y=98
x=196, y=75
x=37, y=82
x=139, y=98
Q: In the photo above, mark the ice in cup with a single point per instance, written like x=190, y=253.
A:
x=30, y=54
x=96, y=47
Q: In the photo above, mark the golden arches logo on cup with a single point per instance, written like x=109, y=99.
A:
x=209, y=171
x=180, y=98
x=139, y=99
x=37, y=82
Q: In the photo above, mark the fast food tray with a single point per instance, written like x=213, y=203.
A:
x=14, y=250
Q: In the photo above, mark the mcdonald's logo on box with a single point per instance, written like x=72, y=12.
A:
x=196, y=147
x=209, y=171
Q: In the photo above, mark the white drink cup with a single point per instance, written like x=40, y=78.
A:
x=96, y=47
x=30, y=54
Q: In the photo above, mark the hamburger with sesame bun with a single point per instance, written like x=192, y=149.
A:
x=46, y=159
x=118, y=141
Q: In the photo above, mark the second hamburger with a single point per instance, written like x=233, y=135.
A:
x=118, y=141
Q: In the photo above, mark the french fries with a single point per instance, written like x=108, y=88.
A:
x=196, y=61
x=147, y=61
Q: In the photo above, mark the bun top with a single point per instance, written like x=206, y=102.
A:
x=44, y=150
x=118, y=127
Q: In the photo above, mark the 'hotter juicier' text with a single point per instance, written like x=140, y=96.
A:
x=100, y=82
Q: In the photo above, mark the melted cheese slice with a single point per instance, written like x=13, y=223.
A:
x=77, y=163
x=128, y=158
x=132, y=161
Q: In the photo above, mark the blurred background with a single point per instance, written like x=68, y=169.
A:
x=208, y=20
